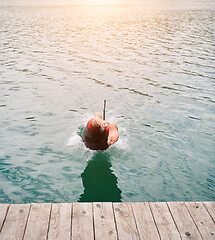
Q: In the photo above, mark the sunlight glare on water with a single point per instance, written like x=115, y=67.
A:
x=153, y=61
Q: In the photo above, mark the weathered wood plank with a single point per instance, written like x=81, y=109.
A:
x=38, y=221
x=15, y=222
x=173, y=220
x=82, y=221
x=125, y=222
x=164, y=221
x=104, y=223
x=202, y=219
x=60, y=222
x=184, y=221
x=145, y=222
x=211, y=208
x=3, y=212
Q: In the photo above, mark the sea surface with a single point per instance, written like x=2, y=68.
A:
x=152, y=60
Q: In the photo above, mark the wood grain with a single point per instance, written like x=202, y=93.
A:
x=202, y=219
x=60, y=222
x=125, y=222
x=108, y=221
x=145, y=222
x=184, y=221
x=3, y=213
x=164, y=221
x=211, y=208
x=82, y=221
x=104, y=223
x=15, y=222
x=38, y=221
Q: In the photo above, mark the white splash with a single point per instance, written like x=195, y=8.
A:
x=122, y=143
x=74, y=140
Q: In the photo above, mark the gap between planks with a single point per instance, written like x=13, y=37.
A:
x=137, y=220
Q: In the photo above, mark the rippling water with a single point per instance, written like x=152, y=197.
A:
x=154, y=63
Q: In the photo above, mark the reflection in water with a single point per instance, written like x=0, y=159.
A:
x=100, y=184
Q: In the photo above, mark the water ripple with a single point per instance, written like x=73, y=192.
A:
x=153, y=62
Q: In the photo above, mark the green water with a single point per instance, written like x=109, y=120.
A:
x=153, y=61
x=100, y=183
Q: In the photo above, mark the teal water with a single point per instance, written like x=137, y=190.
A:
x=154, y=63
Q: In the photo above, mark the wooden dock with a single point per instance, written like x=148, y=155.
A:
x=104, y=221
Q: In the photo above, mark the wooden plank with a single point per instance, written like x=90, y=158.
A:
x=15, y=222
x=38, y=221
x=82, y=221
x=104, y=223
x=184, y=221
x=164, y=221
x=145, y=222
x=202, y=219
x=211, y=208
x=125, y=222
x=111, y=221
x=60, y=222
x=3, y=213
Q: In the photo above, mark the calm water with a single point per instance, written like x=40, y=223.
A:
x=154, y=63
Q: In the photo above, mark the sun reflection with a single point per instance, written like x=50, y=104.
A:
x=100, y=2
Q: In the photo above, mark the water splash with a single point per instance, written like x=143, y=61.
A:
x=74, y=140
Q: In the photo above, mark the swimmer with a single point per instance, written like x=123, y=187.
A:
x=98, y=134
